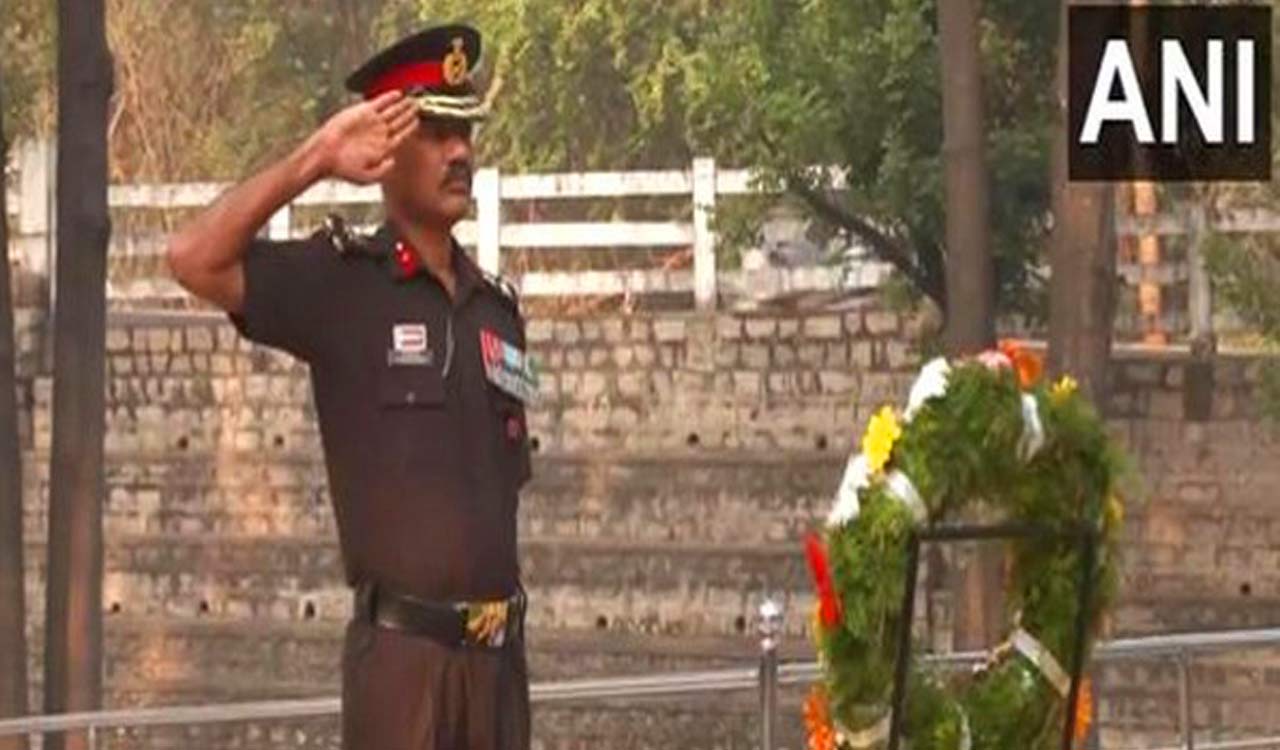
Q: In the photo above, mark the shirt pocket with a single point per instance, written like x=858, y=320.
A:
x=512, y=434
x=410, y=387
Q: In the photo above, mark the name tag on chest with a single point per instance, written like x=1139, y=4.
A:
x=409, y=345
x=507, y=367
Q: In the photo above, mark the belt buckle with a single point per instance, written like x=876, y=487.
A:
x=485, y=623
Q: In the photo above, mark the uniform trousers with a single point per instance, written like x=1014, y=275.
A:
x=403, y=691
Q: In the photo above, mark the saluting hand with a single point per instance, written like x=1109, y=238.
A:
x=359, y=142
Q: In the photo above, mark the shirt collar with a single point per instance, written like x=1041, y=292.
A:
x=404, y=263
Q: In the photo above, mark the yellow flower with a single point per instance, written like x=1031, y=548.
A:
x=1063, y=389
x=1114, y=511
x=882, y=432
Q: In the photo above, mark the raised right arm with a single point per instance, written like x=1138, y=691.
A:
x=206, y=256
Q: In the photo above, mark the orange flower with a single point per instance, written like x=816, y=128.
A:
x=1084, y=710
x=1029, y=366
x=817, y=723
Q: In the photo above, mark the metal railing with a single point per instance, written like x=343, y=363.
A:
x=1183, y=648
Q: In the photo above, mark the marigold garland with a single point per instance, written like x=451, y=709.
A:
x=882, y=432
x=817, y=724
x=1028, y=365
x=1064, y=389
x=988, y=428
x=1084, y=711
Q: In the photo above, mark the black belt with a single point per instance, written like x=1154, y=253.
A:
x=474, y=624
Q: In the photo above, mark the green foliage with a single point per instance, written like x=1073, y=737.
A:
x=204, y=89
x=27, y=59
x=587, y=84
x=783, y=85
x=1246, y=273
x=961, y=449
x=856, y=83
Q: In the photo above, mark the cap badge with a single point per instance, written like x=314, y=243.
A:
x=455, y=64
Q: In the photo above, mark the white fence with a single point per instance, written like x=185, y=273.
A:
x=702, y=184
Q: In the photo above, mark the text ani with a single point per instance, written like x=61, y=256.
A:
x=1177, y=79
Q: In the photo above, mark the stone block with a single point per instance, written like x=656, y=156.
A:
x=728, y=328
x=539, y=331
x=755, y=356
x=861, y=355
x=594, y=384
x=747, y=384
x=567, y=333
x=669, y=330
x=811, y=355
x=838, y=382
x=823, y=327
x=623, y=356
x=199, y=339
x=881, y=322
x=761, y=328
x=613, y=330
x=117, y=340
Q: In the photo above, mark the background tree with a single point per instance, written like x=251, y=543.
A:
x=971, y=322
x=1082, y=257
x=970, y=275
x=27, y=54
x=589, y=84
x=856, y=84
x=13, y=613
x=73, y=624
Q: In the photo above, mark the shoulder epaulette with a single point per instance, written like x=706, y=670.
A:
x=505, y=288
x=344, y=242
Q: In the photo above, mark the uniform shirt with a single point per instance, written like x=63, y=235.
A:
x=425, y=456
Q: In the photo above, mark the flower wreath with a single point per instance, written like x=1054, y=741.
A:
x=982, y=430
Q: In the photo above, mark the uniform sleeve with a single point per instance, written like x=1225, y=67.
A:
x=285, y=284
x=524, y=462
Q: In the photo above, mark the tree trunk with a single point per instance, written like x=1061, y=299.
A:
x=73, y=642
x=970, y=273
x=970, y=326
x=13, y=611
x=1082, y=288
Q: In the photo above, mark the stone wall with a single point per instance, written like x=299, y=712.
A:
x=679, y=459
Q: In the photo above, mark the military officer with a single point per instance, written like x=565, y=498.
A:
x=420, y=383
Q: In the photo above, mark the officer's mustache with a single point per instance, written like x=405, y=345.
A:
x=458, y=172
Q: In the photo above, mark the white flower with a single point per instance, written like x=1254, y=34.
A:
x=931, y=383
x=901, y=487
x=1032, y=439
x=856, y=477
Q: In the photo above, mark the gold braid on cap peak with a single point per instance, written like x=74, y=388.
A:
x=468, y=107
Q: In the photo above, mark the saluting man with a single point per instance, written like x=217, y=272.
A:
x=420, y=382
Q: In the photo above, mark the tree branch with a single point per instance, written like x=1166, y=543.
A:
x=925, y=275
